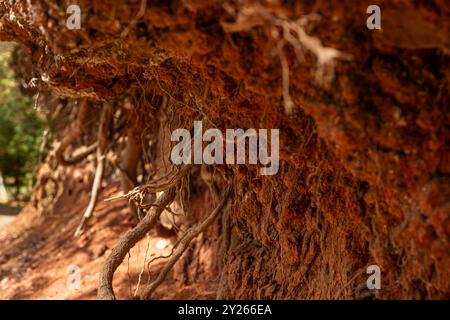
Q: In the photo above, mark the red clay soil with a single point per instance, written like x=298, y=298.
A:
x=38, y=254
x=364, y=157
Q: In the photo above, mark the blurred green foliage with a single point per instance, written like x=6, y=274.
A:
x=20, y=129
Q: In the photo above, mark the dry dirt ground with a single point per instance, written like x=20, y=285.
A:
x=36, y=255
x=7, y=214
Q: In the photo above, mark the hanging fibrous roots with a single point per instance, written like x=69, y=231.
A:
x=105, y=290
x=184, y=242
x=170, y=188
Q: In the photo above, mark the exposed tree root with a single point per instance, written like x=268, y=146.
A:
x=105, y=289
x=183, y=244
x=94, y=194
x=73, y=136
x=364, y=171
x=133, y=23
x=105, y=123
x=226, y=238
x=169, y=181
x=287, y=31
x=129, y=162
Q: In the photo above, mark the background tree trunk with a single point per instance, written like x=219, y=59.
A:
x=4, y=195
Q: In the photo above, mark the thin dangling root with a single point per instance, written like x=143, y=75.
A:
x=105, y=123
x=183, y=244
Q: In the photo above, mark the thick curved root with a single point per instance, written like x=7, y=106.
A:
x=105, y=289
x=94, y=194
x=129, y=163
x=72, y=137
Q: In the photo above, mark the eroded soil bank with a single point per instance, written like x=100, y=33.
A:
x=364, y=138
